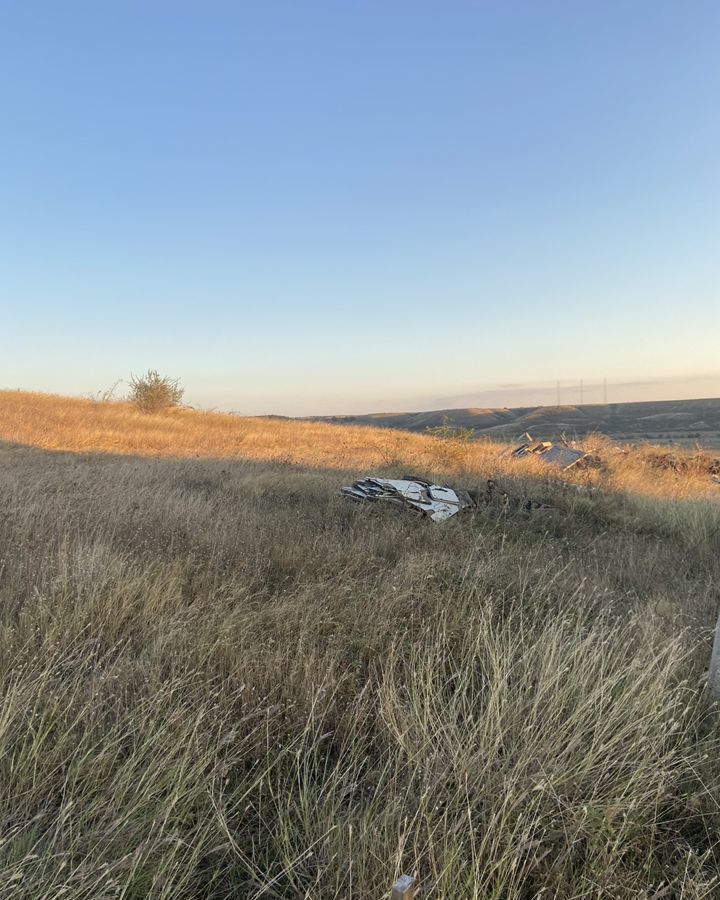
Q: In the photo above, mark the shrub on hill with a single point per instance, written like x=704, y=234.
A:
x=153, y=392
x=449, y=432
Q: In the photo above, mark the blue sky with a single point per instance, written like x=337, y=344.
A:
x=317, y=207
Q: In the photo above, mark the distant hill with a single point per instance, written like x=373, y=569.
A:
x=664, y=421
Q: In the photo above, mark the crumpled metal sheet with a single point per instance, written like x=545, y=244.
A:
x=436, y=501
x=562, y=456
x=565, y=457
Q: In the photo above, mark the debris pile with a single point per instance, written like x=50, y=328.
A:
x=438, y=502
x=667, y=461
x=563, y=456
x=700, y=462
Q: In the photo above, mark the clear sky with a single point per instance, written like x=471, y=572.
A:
x=343, y=206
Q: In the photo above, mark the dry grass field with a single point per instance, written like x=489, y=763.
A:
x=221, y=680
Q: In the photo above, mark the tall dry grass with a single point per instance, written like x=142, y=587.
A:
x=219, y=679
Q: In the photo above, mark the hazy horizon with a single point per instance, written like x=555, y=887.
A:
x=702, y=387
x=532, y=394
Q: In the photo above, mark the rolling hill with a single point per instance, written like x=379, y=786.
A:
x=663, y=421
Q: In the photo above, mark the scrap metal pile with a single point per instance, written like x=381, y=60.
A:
x=563, y=456
x=436, y=501
x=439, y=502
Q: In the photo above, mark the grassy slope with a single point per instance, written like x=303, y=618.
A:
x=60, y=423
x=222, y=680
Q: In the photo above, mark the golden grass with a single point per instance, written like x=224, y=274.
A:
x=219, y=679
x=61, y=423
x=51, y=422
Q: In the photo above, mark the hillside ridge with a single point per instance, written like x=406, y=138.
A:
x=683, y=421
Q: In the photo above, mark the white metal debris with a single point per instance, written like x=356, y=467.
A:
x=438, y=502
x=565, y=457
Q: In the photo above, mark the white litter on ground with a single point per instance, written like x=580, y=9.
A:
x=436, y=501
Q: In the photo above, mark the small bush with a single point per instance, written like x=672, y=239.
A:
x=153, y=392
x=449, y=432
